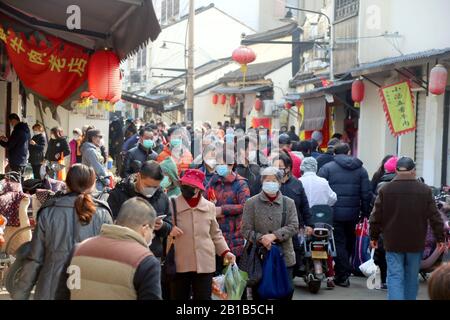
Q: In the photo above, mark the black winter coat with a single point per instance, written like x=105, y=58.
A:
x=137, y=153
x=350, y=181
x=37, y=151
x=253, y=175
x=160, y=202
x=323, y=159
x=293, y=189
x=52, y=245
x=17, y=144
x=58, y=145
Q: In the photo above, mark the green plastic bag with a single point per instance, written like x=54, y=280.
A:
x=235, y=282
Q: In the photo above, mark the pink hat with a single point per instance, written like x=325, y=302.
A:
x=391, y=165
x=194, y=178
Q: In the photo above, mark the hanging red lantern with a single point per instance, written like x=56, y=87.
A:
x=223, y=99
x=258, y=105
x=215, y=99
x=357, y=92
x=288, y=106
x=438, y=79
x=243, y=55
x=104, y=77
x=233, y=101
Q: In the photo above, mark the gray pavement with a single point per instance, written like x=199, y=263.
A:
x=357, y=291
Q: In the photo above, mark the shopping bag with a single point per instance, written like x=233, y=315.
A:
x=361, y=253
x=235, y=282
x=218, y=288
x=369, y=267
x=275, y=282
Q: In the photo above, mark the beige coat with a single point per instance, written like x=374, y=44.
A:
x=202, y=239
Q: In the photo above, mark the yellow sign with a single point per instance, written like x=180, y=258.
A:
x=398, y=104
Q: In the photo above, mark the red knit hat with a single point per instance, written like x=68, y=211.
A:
x=390, y=165
x=193, y=177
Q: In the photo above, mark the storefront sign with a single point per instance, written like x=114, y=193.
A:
x=398, y=104
x=54, y=68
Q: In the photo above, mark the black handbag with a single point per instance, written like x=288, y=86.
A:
x=169, y=268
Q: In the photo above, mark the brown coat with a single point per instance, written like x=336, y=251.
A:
x=202, y=239
x=401, y=213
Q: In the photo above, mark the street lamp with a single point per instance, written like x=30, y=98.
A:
x=289, y=17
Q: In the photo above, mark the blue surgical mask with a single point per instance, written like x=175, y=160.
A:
x=165, y=183
x=147, y=144
x=222, y=170
x=175, y=143
x=270, y=187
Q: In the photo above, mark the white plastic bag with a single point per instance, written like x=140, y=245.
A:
x=369, y=267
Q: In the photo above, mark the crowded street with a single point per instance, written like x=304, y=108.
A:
x=247, y=155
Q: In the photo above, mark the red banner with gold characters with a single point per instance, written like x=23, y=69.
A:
x=53, y=69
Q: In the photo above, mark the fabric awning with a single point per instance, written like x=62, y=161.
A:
x=124, y=25
x=314, y=114
x=242, y=90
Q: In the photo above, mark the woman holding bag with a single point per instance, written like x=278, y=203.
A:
x=198, y=239
x=270, y=218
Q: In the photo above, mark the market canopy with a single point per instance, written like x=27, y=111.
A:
x=124, y=25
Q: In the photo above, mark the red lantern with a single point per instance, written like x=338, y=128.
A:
x=243, y=55
x=438, y=79
x=357, y=92
x=288, y=106
x=215, y=99
x=233, y=100
x=104, y=76
x=258, y=105
x=223, y=99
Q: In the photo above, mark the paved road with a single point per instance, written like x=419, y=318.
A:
x=356, y=291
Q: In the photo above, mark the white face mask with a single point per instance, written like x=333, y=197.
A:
x=76, y=136
x=211, y=163
x=36, y=133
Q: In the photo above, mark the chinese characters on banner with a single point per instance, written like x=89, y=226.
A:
x=54, y=71
x=398, y=104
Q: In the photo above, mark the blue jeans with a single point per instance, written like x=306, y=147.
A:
x=402, y=275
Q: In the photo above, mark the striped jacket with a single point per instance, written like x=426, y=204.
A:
x=230, y=194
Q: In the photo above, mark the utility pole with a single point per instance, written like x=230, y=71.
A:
x=189, y=112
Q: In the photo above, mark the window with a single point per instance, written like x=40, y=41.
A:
x=345, y=9
x=170, y=10
x=141, y=58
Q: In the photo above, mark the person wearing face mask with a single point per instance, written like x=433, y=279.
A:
x=75, y=144
x=198, y=239
x=146, y=185
x=62, y=223
x=122, y=249
x=92, y=157
x=57, y=150
x=142, y=152
x=263, y=219
x=175, y=149
x=229, y=192
x=171, y=181
x=36, y=149
x=248, y=170
x=209, y=163
x=17, y=144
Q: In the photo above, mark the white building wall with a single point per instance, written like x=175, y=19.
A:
x=421, y=25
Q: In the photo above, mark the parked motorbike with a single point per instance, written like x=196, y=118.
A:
x=317, y=248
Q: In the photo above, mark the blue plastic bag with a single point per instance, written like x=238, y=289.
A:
x=275, y=282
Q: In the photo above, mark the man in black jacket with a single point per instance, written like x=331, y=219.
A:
x=145, y=184
x=17, y=144
x=142, y=152
x=350, y=181
x=250, y=171
x=328, y=156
